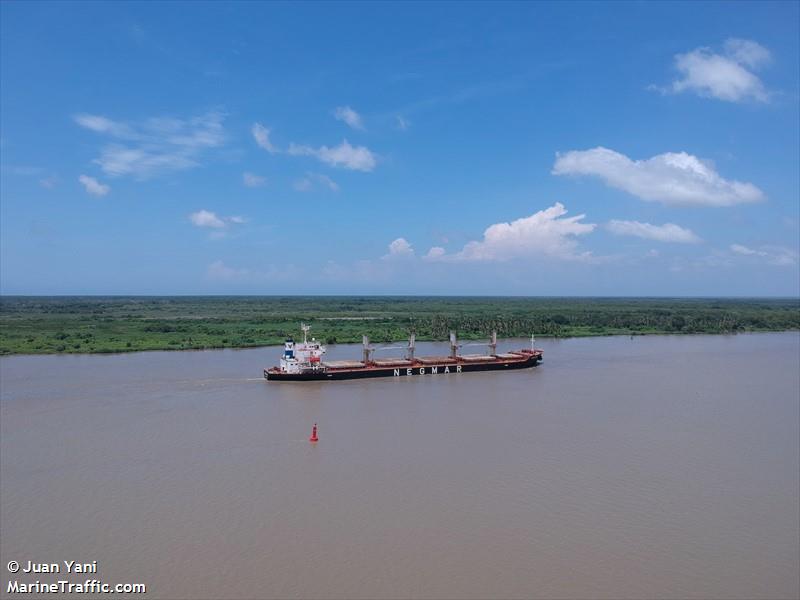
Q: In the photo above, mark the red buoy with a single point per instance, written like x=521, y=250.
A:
x=314, y=437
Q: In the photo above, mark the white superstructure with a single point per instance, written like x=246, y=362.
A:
x=302, y=357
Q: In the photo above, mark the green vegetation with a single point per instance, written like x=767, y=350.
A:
x=43, y=325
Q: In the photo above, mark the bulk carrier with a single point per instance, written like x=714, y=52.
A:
x=303, y=361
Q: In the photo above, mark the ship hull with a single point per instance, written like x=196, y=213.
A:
x=404, y=371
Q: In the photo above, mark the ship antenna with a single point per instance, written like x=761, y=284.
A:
x=305, y=329
x=533, y=342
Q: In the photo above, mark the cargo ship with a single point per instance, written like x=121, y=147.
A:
x=302, y=361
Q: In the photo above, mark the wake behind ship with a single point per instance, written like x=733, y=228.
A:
x=303, y=361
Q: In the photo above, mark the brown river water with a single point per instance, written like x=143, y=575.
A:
x=654, y=467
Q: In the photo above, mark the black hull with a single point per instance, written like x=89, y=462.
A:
x=417, y=370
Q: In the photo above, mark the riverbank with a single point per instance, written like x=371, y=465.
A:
x=93, y=324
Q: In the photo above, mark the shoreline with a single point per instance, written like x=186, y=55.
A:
x=100, y=325
x=356, y=343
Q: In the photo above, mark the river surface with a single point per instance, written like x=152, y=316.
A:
x=654, y=467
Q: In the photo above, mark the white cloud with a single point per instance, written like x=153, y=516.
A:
x=101, y=124
x=156, y=145
x=399, y=248
x=727, y=76
x=670, y=178
x=252, y=180
x=739, y=249
x=94, y=187
x=206, y=218
x=782, y=257
x=435, y=253
x=141, y=163
x=543, y=234
x=402, y=124
x=349, y=116
x=773, y=255
x=311, y=180
x=747, y=52
x=668, y=232
x=355, y=158
x=261, y=135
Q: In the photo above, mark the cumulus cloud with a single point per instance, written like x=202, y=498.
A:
x=219, y=225
x=206, y=218
x=434, y=253
x=156, y=145
x=312, y=180
x=727, y=76
x=261, y=136
x=355, y=158
x=544, y=234
x=399, y=248
x=94, y=187
x=349, y=116
x=670, y=178
x=773, y=255
x=252, y=180
x=747, y=52
x=668, y=232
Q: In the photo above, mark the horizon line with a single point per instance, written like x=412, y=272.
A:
x=588, y=296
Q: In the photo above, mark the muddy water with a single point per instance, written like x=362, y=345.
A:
x=653, y=467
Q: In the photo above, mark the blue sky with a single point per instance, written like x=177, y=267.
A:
x=336, y=148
